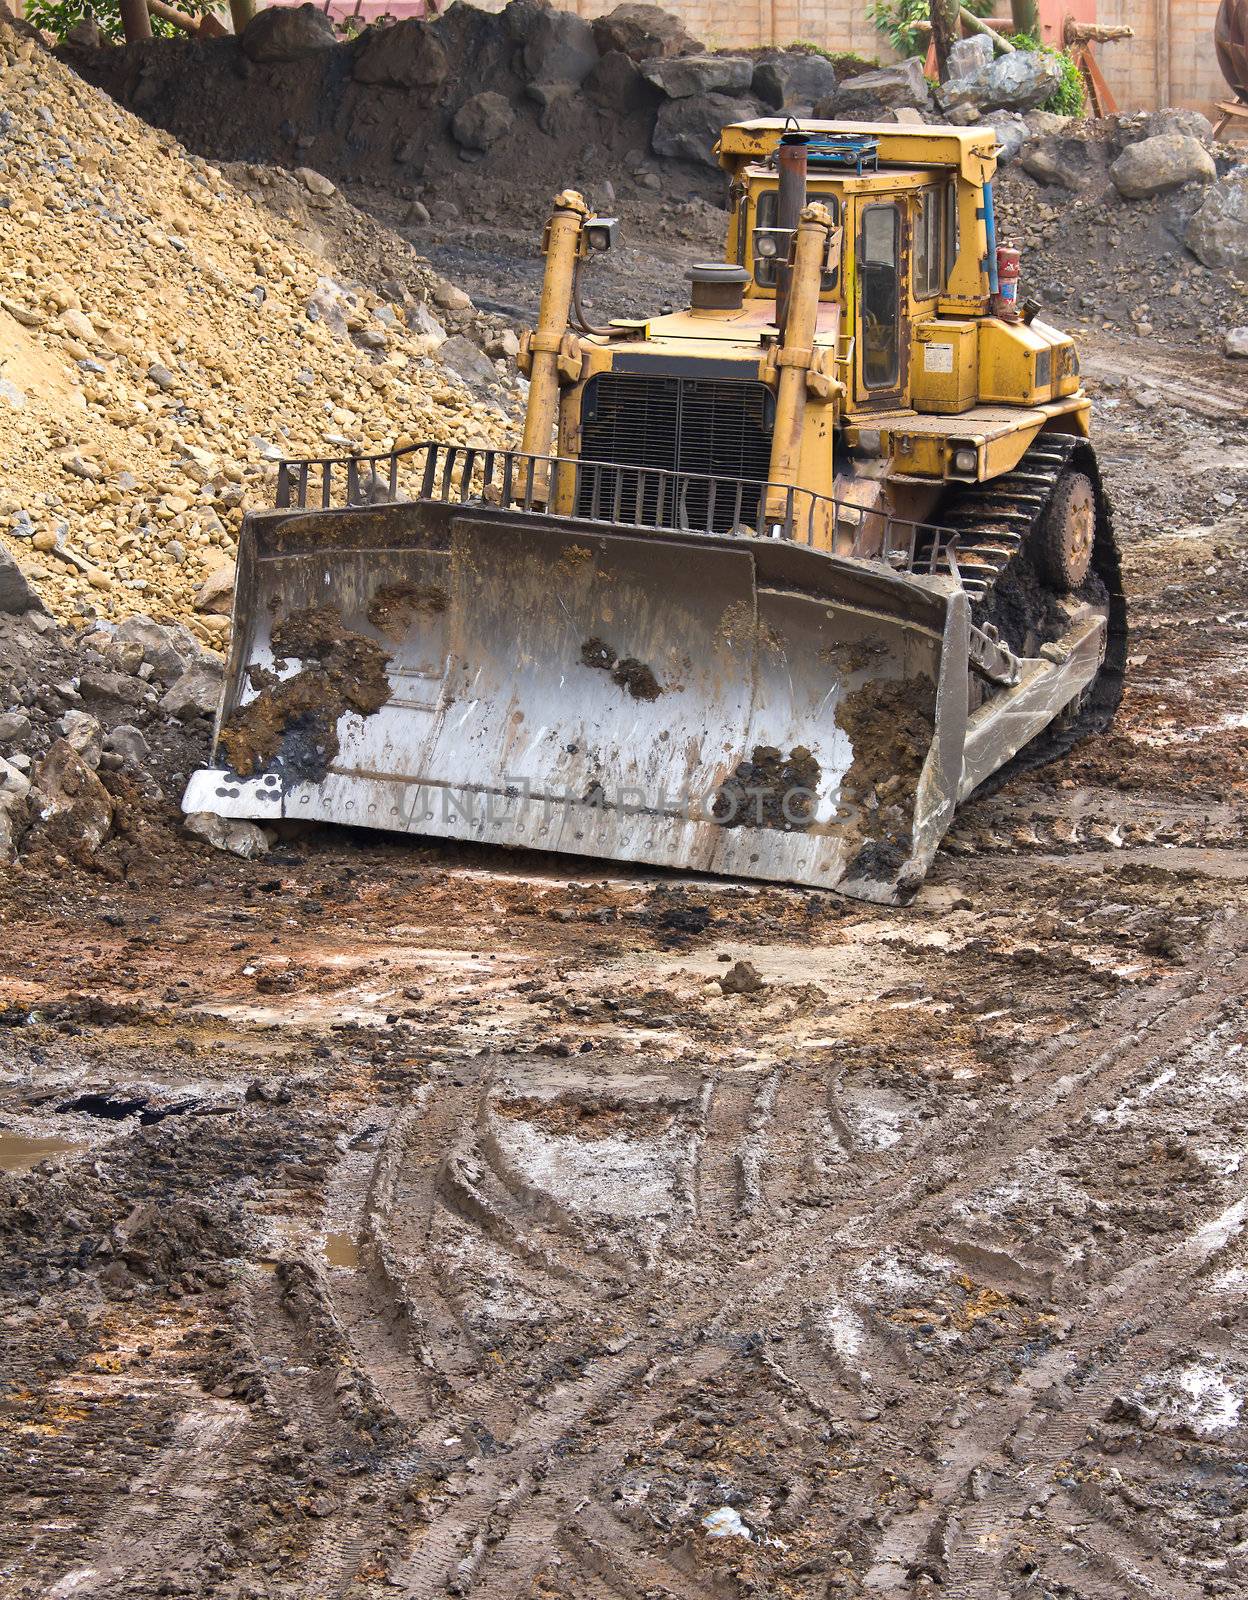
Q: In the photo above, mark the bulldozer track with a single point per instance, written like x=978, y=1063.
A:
x=994, y=521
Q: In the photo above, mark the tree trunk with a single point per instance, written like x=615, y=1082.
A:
x=1026, y=15
x=945, y=27
x=241, y=12
x=135, y=22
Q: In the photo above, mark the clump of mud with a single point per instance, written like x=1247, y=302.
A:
x=770, y=790
x=890, y=727
x=294, y=722
x=1025, y=611
x=629, y=674
x=395, y=605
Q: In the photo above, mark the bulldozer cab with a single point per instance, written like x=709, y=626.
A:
x=901, y=238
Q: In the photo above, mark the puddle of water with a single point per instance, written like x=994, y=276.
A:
x=342, y=1251
x=18, y=1153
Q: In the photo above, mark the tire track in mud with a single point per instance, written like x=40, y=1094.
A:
x=720, y=1181
x=161, y=1516
x=994, y=1471
x=1018, y=1445
x=508, y=1513
x=1170, y=376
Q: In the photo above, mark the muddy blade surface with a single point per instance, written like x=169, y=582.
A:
x=734, y=706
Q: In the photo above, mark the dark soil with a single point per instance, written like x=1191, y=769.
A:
x=292, y=724
x=770, y=790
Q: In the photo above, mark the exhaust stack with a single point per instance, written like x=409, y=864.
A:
x=790, y=203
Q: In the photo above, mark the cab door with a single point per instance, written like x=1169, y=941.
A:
x=882, y=262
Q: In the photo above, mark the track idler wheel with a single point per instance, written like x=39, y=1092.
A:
x=1062, y=542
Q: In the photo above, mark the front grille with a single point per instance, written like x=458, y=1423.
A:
x=717, y=428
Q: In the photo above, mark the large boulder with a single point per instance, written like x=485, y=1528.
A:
x=232, y=834
x=1165, y=162
x=466, y=361
x=72, y=807
x=1012, y=134
x=871, y=93
x=161, y=651
x=215, y=595
x=1217, y=233
x=970, y=55
x=285, y=33
x=16, y=595
x=407, y=56
x=643, y=33
x=794, y=79
x=1177, y=119
x=483, y=120
x=616, y=83
x=195, y=694
x=1066, y=163
x=559, y=50
x=1017, y=82
x=683, y=77
x=688, y=128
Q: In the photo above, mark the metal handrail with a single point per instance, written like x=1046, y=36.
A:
x=652, y=498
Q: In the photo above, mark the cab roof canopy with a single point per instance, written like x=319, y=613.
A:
x=971, y=152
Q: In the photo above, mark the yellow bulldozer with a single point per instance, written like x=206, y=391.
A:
x=771, y=585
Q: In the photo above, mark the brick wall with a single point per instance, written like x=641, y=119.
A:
x=1171, y=59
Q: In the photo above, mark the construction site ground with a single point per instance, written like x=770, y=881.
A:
x=387, y=1217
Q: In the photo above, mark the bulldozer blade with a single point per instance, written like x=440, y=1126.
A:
x=732, y=705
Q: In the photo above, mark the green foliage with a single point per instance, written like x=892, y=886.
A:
x=1069, y=98
x=847, y=60
x=896, y=19
x=57, y=17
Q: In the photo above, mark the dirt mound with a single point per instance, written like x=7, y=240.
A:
x=166, y=338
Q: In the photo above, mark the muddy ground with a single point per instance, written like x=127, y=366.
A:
x=395, y=1218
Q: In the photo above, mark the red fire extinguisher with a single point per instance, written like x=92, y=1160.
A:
x=1009, y=262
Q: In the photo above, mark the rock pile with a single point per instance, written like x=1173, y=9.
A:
x=98, y=732
x=166, y=339
x=1138, y=223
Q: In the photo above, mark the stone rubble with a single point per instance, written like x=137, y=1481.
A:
x=167, y=339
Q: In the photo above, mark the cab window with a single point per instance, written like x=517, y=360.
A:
x=928, y=272
x=765, y=209
x=953, y=241
x=879, y=291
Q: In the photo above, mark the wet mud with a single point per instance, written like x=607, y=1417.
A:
x=395, y=606
x=770, y=790
x=890, y=725
x=627, y=673
x=578, y=1230
x=292, y=724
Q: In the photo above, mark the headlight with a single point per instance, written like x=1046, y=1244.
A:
x=965, y=460
x=766, y=246
x=600, y=233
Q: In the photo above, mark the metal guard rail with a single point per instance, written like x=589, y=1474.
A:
x=652, y=498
